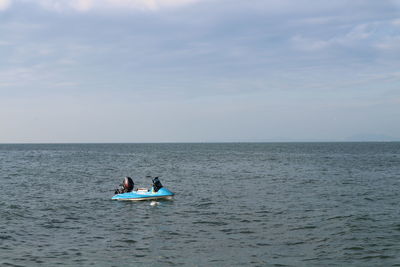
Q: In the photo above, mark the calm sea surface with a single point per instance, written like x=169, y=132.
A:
x=267, y=204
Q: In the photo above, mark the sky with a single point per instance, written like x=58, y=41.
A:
x=199, y=70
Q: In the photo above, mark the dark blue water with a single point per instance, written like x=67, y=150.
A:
x=288, y=204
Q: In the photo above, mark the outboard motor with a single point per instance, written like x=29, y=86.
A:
x=156, y=184
x=128, y=184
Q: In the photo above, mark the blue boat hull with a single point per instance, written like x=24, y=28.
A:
x=163, y=193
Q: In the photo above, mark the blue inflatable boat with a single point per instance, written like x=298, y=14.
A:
x=144, y=194
x=157, y=191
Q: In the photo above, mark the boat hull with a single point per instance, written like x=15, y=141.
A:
x=162, y=193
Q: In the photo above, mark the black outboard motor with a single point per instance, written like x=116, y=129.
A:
x=156, y=184
x=127, y=186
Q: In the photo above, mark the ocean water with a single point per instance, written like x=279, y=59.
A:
x=251, y=204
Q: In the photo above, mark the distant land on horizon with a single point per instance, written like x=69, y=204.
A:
x=372, y=138
x=354, y=138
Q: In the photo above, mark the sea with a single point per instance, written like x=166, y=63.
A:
x=236, y=204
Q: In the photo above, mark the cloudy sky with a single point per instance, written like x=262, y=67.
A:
x=199, y=71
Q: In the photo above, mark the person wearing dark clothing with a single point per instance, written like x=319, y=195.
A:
x=156, y=184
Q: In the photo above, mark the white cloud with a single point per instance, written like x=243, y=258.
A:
x=4, y=43
x=390, y=43
x=86, y=5
x=396, y=22
x=82, y=5
x=317, y=20
x=4, y=4
x=359, y=33
x=308, y=44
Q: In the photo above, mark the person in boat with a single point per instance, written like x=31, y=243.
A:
x=126, y=186
x=156, y=184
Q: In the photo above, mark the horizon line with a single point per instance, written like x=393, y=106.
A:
x=200, y=142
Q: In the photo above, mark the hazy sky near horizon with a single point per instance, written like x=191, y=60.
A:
x=198, y=71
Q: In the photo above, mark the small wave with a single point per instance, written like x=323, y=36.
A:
x=294, y=243
x=377, y=257
x=354, y=248
x=339, y=217
x=364, y=217
x=304, y=227
x=246, y=232
x=11, y=264
x=6, y=237
x=189, y=241
x=204, y=205
x=211, y=223
x=263, y=244
x=129, y=241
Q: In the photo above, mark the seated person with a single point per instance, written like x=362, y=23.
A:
x=156, y=184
